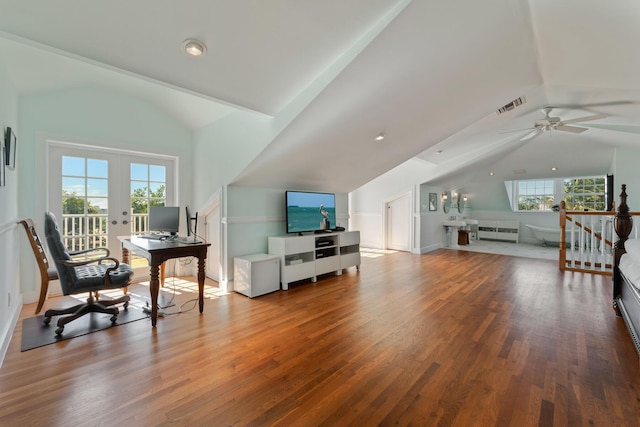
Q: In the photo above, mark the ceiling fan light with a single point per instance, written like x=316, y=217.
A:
x=194, y=47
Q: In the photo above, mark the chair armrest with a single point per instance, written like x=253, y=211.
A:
x=91, y=261
x=86, y=251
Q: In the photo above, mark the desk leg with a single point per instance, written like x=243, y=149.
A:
x=125, y=255
x=154, y=289
x=125, y=260
x=201, y=259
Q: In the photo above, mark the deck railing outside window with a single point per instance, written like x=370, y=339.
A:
x=90, y=231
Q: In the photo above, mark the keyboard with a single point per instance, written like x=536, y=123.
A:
x=153, y=236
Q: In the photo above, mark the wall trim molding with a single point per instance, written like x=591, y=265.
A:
x=252, y=219
x=7, y=226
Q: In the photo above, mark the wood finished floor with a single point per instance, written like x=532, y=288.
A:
x=449, y=338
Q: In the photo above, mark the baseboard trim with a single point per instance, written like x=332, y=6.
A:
x=8, y=332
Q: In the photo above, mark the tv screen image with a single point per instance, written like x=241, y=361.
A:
x=307, y=211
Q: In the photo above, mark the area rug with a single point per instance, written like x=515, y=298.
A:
x=36, y=334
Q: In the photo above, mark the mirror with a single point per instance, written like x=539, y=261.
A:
x=446, y=201
x=461, y=203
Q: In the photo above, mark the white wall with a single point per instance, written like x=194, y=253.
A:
x=625, y=171
x=368, y=201
x=10, y=300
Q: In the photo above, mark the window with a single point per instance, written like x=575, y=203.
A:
x=535, y=195
x=585, y=193
x=542, y=194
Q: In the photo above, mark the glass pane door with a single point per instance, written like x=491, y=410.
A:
x=148, y=186
x=85, y=202
x=98, y=196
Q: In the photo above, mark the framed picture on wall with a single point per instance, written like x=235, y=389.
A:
x=433, y=201
x=2, y=166
x=10, y=148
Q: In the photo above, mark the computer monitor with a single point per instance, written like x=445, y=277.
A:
x=165, y=219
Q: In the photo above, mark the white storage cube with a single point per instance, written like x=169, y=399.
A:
x=255, y=275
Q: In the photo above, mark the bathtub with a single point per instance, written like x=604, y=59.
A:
x=546, y=234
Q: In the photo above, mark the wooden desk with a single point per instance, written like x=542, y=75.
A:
x=157, y=252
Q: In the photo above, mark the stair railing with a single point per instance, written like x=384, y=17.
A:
x=586, y=241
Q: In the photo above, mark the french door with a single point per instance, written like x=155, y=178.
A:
x=98, y=195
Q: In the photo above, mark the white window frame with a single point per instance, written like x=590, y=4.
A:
x=512, y=188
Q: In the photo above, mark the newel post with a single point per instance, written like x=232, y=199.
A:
x=562, y=257
x=622, y=223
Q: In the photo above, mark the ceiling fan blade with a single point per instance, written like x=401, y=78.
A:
x=531, y=134
x=585, y=119
x=572, y=129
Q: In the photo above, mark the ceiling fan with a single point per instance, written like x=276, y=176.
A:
x=556, y=123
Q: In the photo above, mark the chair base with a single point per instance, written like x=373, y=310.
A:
x=91, y=306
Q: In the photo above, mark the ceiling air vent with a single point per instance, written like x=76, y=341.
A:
x=513, y=104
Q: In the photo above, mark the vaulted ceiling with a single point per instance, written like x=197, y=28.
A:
x=430, y=75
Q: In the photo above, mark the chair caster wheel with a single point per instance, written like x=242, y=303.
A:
x=114, y=318
x=46, y=320
x=59, y=330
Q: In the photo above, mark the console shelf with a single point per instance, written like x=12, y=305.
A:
x=309, y=256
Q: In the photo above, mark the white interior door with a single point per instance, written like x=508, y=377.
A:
x=398, y=223
x=98, y=195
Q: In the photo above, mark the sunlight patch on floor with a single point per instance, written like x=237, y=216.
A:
x=173, y=286
x=375, y=253
x=180, y=286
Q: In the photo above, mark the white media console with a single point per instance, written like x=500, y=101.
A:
x=308, y=256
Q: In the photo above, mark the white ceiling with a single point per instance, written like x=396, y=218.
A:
x=431, y=80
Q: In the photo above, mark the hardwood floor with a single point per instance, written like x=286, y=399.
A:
x=449, y=338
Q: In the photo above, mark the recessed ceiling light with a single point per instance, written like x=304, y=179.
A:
x=380, y=137
x=193, y=47
x=491, y=173
x=554, y=168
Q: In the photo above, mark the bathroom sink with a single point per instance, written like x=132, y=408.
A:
x=454, y=223
x=471, y=221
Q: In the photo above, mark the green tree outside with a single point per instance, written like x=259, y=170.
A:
x=140, y=200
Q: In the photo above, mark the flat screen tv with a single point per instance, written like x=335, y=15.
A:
x=308, y=211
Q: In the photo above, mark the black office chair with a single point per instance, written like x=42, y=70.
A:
x=84, y=276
